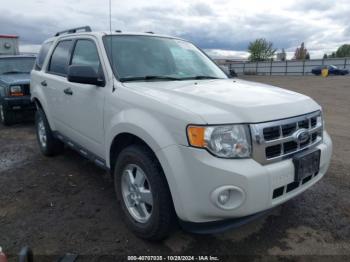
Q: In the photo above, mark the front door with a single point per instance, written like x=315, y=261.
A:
x=85, y=103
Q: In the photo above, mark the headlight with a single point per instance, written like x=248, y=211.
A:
x=227, y=141
x=16, y=91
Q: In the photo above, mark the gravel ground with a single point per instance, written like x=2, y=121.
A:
x=67, y=205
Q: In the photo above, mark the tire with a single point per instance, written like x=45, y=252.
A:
x=161, y=218
x=49, y=145
x=6, y=117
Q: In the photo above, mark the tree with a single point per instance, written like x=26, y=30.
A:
x=301, y=53
x=343, y=51
x=325, y=56
x=261, y=50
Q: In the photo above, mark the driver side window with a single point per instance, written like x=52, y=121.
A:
x=85, y=53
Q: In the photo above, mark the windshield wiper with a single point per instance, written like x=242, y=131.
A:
x=201, y=77
x=150, y=77
x=14, y=72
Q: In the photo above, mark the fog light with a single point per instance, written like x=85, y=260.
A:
x=224, y=196
x=228, y=197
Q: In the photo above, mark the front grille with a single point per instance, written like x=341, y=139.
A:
x=25, y=89
x=278, y=140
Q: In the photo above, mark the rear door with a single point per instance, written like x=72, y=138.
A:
x=83, y=105
x=56, y=82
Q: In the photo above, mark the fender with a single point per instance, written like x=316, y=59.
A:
x=143, y=125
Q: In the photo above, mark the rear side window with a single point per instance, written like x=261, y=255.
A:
x=42, y=55
x=85, y=53
x=60, y=58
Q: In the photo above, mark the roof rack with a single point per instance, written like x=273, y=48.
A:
x=149, y=32
x=74, y=30
x=118, y=31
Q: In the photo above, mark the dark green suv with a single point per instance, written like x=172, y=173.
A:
x=15, y=101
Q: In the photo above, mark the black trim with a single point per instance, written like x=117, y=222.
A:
x=219, y=226
x=81, y=150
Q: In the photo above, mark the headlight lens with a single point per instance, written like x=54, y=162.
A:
x=16, y=91
x=227, y=141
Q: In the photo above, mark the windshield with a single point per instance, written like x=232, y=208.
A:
x=140, y=58
x=13, y=65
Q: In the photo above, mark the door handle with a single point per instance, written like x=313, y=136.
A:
x=43, y=83
x=68, y=91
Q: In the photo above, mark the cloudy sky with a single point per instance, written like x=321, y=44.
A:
x=223, y=27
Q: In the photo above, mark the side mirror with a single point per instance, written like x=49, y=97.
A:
x=84, y=75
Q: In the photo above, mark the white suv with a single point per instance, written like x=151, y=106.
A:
x=182, y=140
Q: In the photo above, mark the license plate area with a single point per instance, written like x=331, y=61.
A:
x=306, y=164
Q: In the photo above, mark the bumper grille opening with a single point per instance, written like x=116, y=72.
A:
x=273, y=151
x=306, y=179
x=278, y=192
x=292, y=186
x=271, y=133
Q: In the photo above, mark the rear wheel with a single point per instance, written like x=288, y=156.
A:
x=6, y=117
x=49, y=145
x=143, y=193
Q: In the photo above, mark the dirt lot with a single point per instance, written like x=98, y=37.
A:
x=66, y=204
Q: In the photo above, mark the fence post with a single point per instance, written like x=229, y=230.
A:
x=286, y=70
x=271, y=67
x=345, y=63
x=243, y=68
x=256, y=68
x=304, y=67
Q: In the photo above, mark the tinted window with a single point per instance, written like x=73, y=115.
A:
x=60, y=57
x=85, y=53
x=42, y=55
x=15, y=65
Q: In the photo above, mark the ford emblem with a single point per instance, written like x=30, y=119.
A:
x=301, y=136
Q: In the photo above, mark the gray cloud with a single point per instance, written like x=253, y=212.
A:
x=309, y=5
x=203, y=23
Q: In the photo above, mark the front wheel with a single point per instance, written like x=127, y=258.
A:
x=49, y=145
x=143, y=193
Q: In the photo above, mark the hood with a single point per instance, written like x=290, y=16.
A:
x=223, y=101
x=15, y=79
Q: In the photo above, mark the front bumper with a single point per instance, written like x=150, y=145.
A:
x=22, y=103
x=193, y=175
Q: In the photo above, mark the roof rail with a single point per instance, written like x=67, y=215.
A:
x=74, y=30
x=118, y=31
x=149, y=32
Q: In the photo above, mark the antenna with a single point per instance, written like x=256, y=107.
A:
x=110, y=16
x=110, y=43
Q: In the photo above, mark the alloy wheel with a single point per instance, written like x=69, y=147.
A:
x=137, y=193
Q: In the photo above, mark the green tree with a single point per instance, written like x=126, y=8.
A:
x=325, y=56
x=261, y=50
x=343, y=51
